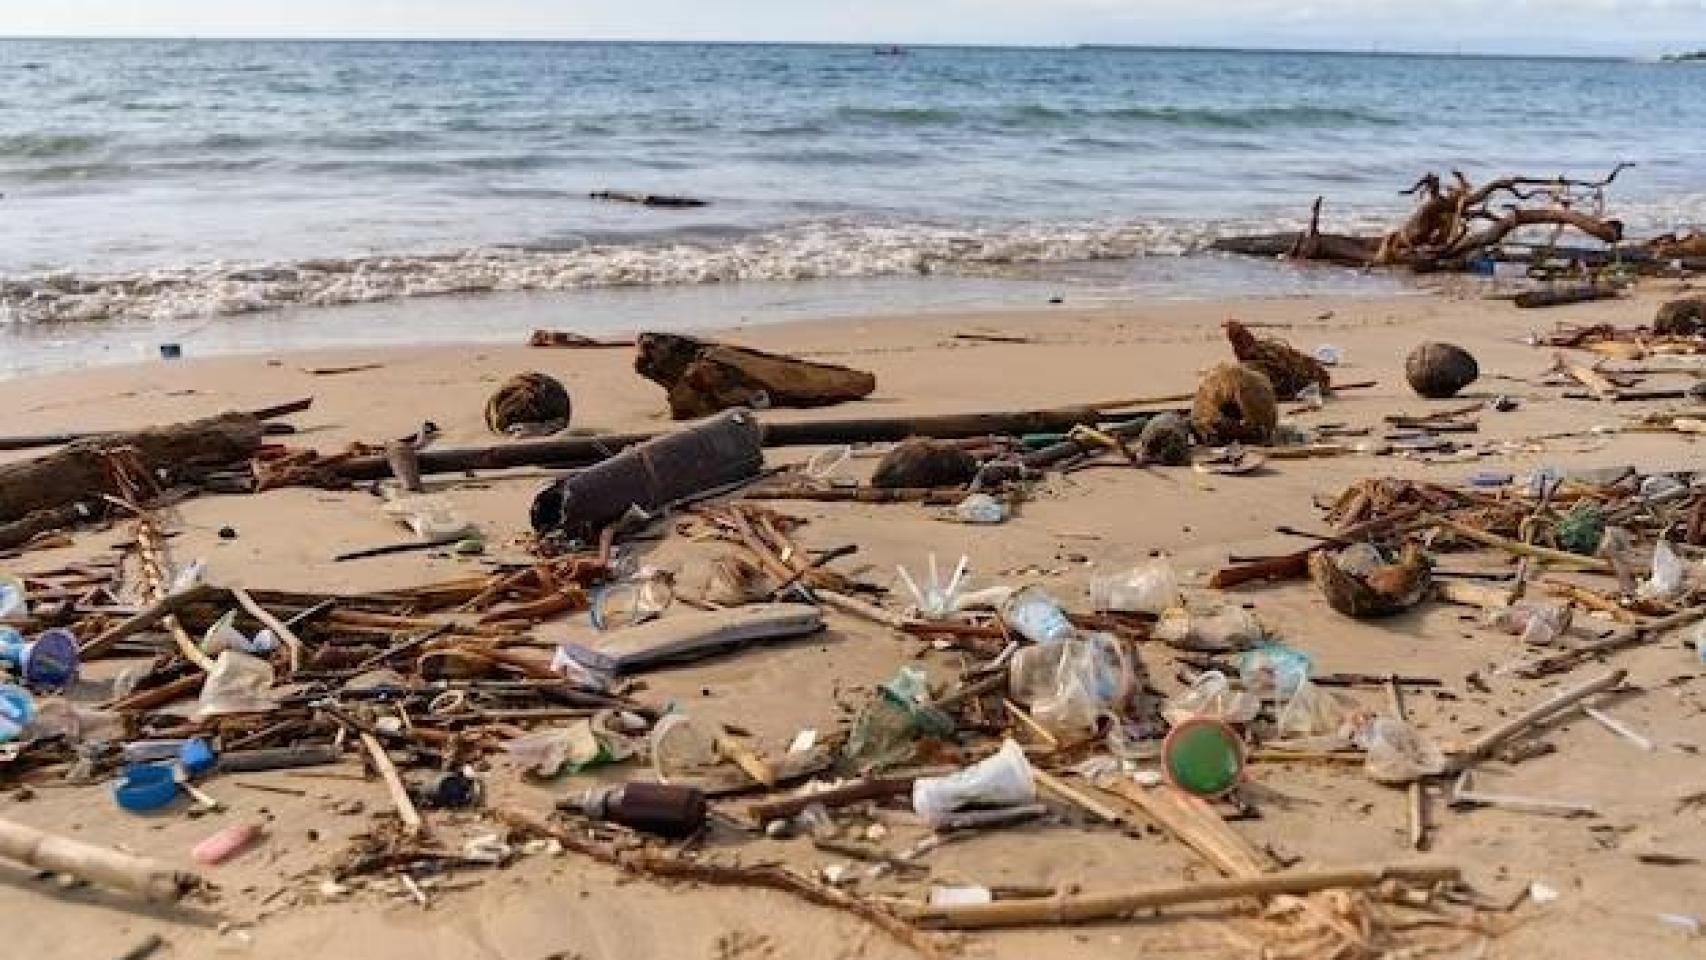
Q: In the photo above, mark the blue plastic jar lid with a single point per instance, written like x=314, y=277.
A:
x=145, y=786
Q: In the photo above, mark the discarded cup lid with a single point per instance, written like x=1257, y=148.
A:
x=1203, y=756
x=196, y=757
x=145, y=787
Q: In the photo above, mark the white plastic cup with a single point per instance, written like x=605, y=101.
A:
x=1001, y=780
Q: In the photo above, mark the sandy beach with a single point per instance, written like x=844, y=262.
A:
x=1613, y=873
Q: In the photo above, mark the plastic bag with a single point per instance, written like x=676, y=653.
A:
x=1151, y=588
x=223, y=636
x=238, y=683
x=981, y=508
x=1002, y=780
x=1274, y=672
x=1313, y=712
x=1225, y=629
x=887, y=730
x=589, y=742
x=1668, y=575
x=1070, y=685
x=1397, y=754
x=1212, y=696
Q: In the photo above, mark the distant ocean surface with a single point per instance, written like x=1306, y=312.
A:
x=184, y=179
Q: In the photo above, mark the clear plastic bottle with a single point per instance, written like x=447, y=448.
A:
x=17, y=709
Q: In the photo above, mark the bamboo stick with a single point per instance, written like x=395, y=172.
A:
x=412, y=822
x=1417, y=792
x=1110, y=906
x=1057, y=787
x=1520, y=549
x=284, y=634
x=151, y=880
x=1500, y=735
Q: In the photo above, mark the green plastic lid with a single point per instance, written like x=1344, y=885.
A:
x=1204, y=757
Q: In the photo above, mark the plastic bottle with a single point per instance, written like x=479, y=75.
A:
x=1036, y=616
x=17, y=709
x=1151, y=588
x=664, y=809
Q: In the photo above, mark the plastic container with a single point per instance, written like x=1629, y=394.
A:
x=50, y=660
x=17, y=709
x=1002, y=780
x=1203, y=756
x=1070, y=685
x=1151, y=588
x=1037, y=616
x=146, y=787
x=1218, y=631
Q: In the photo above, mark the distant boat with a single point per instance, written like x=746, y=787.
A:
x=890, y=51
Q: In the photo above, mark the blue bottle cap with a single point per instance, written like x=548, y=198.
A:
x=196, y=756
x=50, y=661
x=145, y=787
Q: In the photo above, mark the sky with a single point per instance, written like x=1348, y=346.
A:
x=1614, y=27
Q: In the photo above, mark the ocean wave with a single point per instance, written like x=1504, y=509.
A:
x=46, y=146
x=814, y=251
x=1042, y=116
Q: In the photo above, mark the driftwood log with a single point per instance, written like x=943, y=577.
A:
x=78, y=472
x=704, y=377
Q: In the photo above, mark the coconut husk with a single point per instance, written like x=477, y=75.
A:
x=921, y=463
x=528, y=398
x=1440, y=370
x=1166, y=439
x=1289, y=369
x=1386, y=590
x=1681, y=318
x=1235, y=404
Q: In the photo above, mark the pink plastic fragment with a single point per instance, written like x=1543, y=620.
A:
x=226, y=844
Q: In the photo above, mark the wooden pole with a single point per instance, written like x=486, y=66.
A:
x=1500, y=735
x=1417, y=791
x=149, y=879
x=1110, y=906
x=412, y=822
x=158, y=611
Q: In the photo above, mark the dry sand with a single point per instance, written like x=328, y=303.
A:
x=545, y=906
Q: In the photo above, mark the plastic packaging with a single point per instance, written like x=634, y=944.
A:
x=1151, y=588
x=1212, y=697
x=936, y=600
x=681, y=749
x=224, y=635
x=589, y=742
x=1662, y=486
x=1002, y=780
x=1313, y=712
x=1330, y=355
x=896, y=717
x=17, y=709
x=631, y=602
x=238, y=683
x=1226, y=629
x=145, y=787
x=1397, y=754
x=981, y=508
x=1540, y=624
x=1070, y=685
x=1273, y=672
x=1035, y=615
x=50, y=660
x=1668, y=576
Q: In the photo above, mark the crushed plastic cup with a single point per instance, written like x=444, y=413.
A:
x=17, y=709
x=1035, y=615
x=1668, y=577
x=1203, y=756
x=1539, y=624
x=1218, y=631
x=1072, y=684
x=1273, y=672
x=238, y=683
x=1003, y=779
x=1151, y=588
x=14, y=598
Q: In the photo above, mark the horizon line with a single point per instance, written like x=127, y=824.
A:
x=1374, y=49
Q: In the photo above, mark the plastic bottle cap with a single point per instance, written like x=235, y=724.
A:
x=1203, y=756
x=196, y=757
x=51, y=660
x=145, y=787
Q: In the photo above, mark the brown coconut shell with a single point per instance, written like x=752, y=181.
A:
x=1681, y=318
x=921, y=462
x=1440, y=370
x=1235, y=404
x=528, y=398
x=1385, y=591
